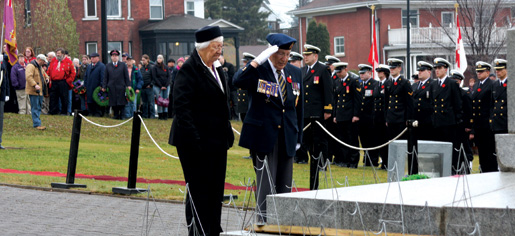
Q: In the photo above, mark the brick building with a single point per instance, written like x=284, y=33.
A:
x=349, y=23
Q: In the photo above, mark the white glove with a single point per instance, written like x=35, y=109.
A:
x=6, y=98
x=297, y=147
x=266, y=54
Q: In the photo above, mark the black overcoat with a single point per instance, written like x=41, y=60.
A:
x=117, y=80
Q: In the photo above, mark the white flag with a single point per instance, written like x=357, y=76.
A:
x=461, y=58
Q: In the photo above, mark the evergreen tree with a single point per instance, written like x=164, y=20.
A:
x=318, y=35
x=244, y=13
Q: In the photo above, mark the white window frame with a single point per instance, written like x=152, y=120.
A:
x=187, y=10
x=150, y=10
x=119, y=10
x=86, y=17
x=418, y=18
x=130, y=48
x=335, y=39
x=452, y=18
x=87, y=47
x=129, y=14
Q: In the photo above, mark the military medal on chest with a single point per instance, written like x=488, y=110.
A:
x=268, y=88
x=316, y=80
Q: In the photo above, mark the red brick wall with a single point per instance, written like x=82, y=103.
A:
x=119, y=30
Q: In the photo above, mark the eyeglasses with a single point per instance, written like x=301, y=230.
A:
x=218, y=48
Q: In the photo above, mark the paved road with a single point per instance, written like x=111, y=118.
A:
x=36, y=212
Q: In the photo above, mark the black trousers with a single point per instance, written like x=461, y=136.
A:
x=314, y=140
x=347, y=133
x=332, y=145
x=59, y=91
x=280, y=167
x=449, y=134
x=485, y=142
x=367, y=134
x=425, y=131
x=118, y=110
x=380, y=138
x=148, y=109
x=204, y=172
x=95, y=110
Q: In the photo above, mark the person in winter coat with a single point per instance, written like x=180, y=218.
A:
x=93, y=77
x=62, y=73
x=36, y=87
x=161, y=79
x=117, y=81
x=136, y=82
x=18, y=82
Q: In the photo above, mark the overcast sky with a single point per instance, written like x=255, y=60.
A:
x=282, y=7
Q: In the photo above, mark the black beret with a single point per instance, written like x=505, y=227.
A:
x=207, y=33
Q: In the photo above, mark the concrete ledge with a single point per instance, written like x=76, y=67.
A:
x=504, y=144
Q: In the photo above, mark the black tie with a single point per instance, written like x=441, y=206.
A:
x=419, y=85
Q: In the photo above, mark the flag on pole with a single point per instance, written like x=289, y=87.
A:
x=10, y=32
x=461, y=58
x=373, y=58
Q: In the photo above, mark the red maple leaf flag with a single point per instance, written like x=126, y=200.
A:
x=373, y=58
x=461, y=58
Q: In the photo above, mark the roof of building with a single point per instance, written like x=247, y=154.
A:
x=188, y=22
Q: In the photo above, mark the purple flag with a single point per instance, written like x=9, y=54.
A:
x=10, y=32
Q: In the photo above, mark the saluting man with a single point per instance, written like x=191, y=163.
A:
x=348, y=100
x=381, y=132
x=273, y=127
x=367, y=132
x=317, y=104
x=447, y=110
x=399, y=97
x=481, y=130
x=422, y=99
x=499, y=117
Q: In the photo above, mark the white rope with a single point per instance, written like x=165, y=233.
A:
x=358, y=148
x=235, y=131
x=307, y=126
x=151, y=138
x=104, y=126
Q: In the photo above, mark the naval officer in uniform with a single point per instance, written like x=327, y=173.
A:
x=399, y=99
x=499, y=116
x=422, y=98
x=367, y=132
x=383, y=73
x=296, y=59
x=273, y=127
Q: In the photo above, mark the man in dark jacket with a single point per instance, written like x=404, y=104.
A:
x=94, y=77
x=422, y=102
x=147, y=93
x=367, y=132
x=202, y=136
x=117, y=80
x=272, y=129
x=4, y=96
x=399, y=99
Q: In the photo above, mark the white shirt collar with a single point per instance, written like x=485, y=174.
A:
x=504, y=80
x=215, y=72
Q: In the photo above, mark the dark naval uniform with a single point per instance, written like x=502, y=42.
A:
x=242, y=104
x=483, y=135
x=348, y=100
x=447, y=114
x=399, y=107
x=317, y=100
x=332, y=145
x=381, y=132
x=499, y=117
x=367, y=131
x=423, y=110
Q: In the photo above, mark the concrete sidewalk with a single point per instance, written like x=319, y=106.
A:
x=35, y=212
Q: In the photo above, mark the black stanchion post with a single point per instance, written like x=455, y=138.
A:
x=72, y=159
x=313, y=171
x=133, y=162
x=412, y=148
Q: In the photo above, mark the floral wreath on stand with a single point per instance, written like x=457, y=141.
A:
x=78, y=87
x=101, y=98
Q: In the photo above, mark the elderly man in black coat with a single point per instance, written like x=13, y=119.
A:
x=117, y=80
x=92, y=79
x=201, y=131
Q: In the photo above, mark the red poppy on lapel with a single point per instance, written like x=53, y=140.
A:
x=289, y=79
x=479, y=89
x=366, y=87
x=334, y=76
x=443, y=85
x=165, y=70
x=382, y=86
x=146, y=69
x=395, y=83
x=504, y=85
x=344, y=84
x=312, y=71
x=116, y=65
x=423, y=87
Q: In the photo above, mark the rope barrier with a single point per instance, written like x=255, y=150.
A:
x=151, y=138
x=104, y=126
x=358, y=148
x=235, y=131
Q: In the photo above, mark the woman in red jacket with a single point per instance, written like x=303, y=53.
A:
x=29, y=55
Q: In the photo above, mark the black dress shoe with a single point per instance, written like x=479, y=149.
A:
x=2, y=147
x=247, y=157
x=302, y=162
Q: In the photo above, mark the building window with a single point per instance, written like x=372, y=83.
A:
x=339, y=45
x=90, y=8
x=190, y=8
x=114, y=8
x=177, y=50
x=91, y=47
x=28, y=20
x=413, y=18
x=129, y=15
x=130, y=48
x=156, y=9
x=447, y=18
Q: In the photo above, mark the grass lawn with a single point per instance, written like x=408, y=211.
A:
x=105, y=151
